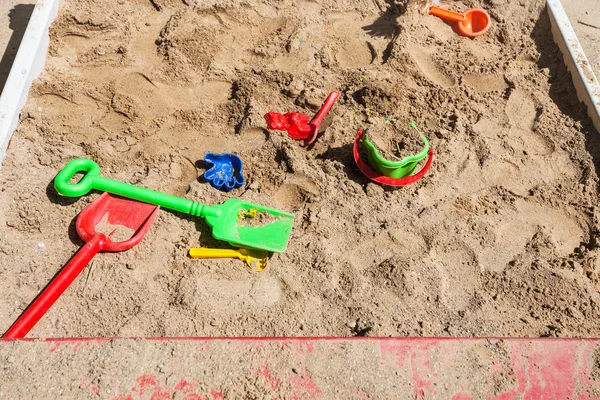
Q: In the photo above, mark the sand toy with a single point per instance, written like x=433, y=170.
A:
x=236, y=221
x=386, y=180
x=106, y=219
x=471, y=23
x=296, y=123
x=394, y=169
x=225, y=171
x=256, y=259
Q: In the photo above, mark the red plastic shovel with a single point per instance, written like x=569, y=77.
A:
x=295, y=123
x=316, y=121
x=109, y=213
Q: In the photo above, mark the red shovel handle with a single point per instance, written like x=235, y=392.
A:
x=329, y=102
x=55, y=289
x=316, y=121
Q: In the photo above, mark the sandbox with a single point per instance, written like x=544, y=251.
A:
x=498, y=239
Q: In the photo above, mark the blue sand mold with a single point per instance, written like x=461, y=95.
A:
x=225, y=171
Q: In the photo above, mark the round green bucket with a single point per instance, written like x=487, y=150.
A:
x=394, y=169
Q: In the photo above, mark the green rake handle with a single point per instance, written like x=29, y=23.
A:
x=92, y=180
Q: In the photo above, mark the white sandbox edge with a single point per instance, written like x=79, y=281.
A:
x=585, y=81
x=28, y=64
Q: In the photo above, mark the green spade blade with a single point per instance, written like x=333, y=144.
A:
x=235, y=221
x=250, y=225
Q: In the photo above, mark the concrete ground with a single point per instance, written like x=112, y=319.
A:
x=14, y=15
x=368, y=368
x=585, y=18
x=359, y=368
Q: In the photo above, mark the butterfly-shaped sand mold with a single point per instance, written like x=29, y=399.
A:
x=225, y=171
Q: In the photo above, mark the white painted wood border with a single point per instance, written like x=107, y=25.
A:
x=28, y=64
x=586, y=83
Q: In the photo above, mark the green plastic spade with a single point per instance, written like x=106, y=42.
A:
x=235, y=221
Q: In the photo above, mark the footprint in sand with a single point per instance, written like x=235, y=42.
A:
x=289, y=196
x=353, y=53
x=395, y=273
x=211, y=92
x=515, y=158
x=292, y=194
x=265, y=11
x=458, y=273
x=235, y=296
x=485, y=83
x=55, y=106
x=184, y=172
x=193, y=36
x=514, y=228
x=82, y=45
x=161, y=98
x=90, y=52
x=520, y=110
x=141, y=90
x=251, y=139
x=369, y=253
x=405, y=242
x=349, y=280
x=522, y=113
x=430, y=68
x=188, y=141
x=353, y=47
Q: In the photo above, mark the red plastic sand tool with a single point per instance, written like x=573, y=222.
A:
x=296, y=123
x=106, y=212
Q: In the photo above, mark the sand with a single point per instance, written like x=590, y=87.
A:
x=116, y=233
x=499, y=238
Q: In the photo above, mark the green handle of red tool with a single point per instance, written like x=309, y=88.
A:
x=93, y=180
x=55, y=289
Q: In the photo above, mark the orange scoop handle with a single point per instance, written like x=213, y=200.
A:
x=446, y=14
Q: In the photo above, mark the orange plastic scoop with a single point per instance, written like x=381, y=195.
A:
x=471, y=23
